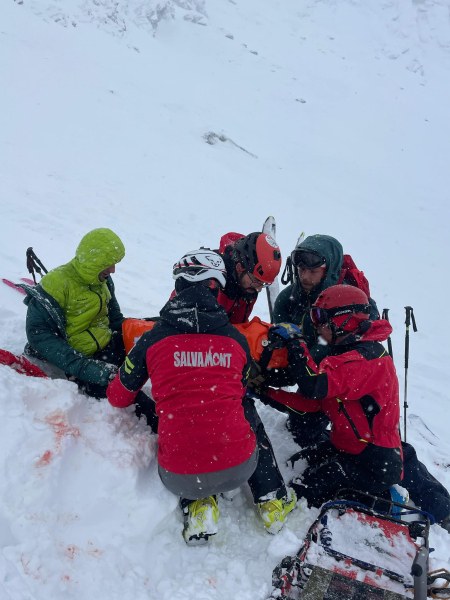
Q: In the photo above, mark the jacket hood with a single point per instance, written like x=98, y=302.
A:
x=331, y=250
x=369, y=331
x=194, y=310
x=379, y=331
x=99, y=249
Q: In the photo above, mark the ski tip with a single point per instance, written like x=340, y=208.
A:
x=14, y=286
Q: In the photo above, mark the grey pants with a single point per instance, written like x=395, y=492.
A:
x=202, y=485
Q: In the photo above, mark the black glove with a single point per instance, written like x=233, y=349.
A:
x=296, y=351
x=256, y=377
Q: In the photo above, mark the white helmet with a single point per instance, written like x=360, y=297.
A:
x=198, y=265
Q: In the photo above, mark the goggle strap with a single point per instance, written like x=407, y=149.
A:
x=323, y=315
x=345, y=310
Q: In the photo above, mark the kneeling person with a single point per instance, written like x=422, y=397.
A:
x=356, y=387
x=198, y=363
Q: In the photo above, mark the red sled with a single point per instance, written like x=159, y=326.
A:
x=353, y=550
x=20, y=364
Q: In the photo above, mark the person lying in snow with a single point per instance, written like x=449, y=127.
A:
x=198, y=365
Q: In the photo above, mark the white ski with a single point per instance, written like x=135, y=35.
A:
x=272, y=290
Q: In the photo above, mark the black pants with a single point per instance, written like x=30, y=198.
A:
x=424, y=489
x=373, y=471
x=266, y=478
x=308, y=428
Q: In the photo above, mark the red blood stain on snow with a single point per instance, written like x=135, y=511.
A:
x=45, y=459
x=61, y=429
x=73, y=551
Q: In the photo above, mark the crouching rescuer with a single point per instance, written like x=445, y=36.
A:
x=197, y=363
x=356, y=387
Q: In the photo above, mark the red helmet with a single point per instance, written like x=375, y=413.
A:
x=260, y=255
x=343, y=307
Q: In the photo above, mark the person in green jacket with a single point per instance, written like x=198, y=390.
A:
x=74, y=321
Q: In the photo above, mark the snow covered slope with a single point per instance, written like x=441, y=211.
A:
x=173, y=122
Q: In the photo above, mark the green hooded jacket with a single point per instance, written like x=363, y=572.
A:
x=293, y=303
x=71, y=313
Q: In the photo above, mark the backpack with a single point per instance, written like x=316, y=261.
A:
x=351, y=275
x=228, y=239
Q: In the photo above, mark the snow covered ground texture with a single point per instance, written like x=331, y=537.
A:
x=173, y=122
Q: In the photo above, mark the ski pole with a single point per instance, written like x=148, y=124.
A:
x=409, y=318
x=385, y=315
x=420, y=572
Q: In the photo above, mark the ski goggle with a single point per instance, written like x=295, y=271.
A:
x=307, y=260
x=319, y=316
x=322, y=316
x=257, y=282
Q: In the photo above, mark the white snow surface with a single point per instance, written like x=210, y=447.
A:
x=173, y=122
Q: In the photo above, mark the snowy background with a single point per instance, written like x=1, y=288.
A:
x=174, y=122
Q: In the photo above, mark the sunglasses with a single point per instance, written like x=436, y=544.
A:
x=257, y=282
x=307, y=260
x=321, y=316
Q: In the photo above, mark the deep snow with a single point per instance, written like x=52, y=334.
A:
x=174, y=122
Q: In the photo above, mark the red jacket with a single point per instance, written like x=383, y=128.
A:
x=357, y=388
x=238, y=304
x=197, y=363
x=238, y=309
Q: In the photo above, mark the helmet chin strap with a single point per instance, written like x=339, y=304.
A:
x=339, y=332
x=339, y=336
